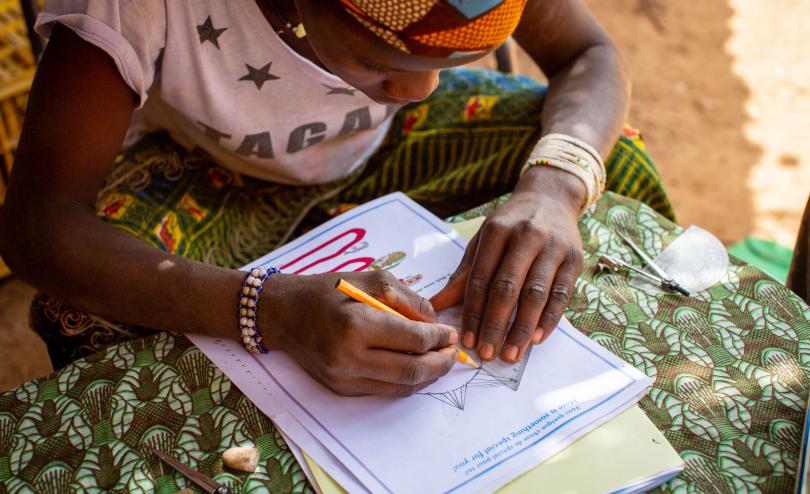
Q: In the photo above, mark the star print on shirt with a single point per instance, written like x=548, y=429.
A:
x=258, y=76
x=207, y=32
x=339, y=90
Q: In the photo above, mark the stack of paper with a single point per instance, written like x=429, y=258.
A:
x=625, y=455
x=471, y=431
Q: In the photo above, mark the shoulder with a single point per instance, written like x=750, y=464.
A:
x=131, y=32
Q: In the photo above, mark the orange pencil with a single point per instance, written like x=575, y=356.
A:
x=361, y=296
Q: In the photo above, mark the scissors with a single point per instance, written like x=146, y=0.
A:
x=660, y=277
x=207, y=484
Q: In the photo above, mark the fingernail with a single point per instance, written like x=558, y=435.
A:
x=487, y=351
x=510, y=353
x=453, y=338
x=469, y=339
x=538, y=336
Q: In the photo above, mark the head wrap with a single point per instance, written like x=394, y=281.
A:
x=439, y=28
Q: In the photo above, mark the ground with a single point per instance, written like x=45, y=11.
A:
x=721, y=91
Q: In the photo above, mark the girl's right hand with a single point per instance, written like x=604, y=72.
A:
x=352, y=348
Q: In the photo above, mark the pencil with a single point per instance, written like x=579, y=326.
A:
x=361, y=296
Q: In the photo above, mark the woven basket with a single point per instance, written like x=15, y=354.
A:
x=17, y=66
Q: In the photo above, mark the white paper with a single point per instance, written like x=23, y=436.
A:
x=467, y=432
x=396, y=445
x=392, y=233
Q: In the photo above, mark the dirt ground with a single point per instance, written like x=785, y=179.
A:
x=722, y=95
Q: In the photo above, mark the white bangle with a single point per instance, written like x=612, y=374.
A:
x=574, y=156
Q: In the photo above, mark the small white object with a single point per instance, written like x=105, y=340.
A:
x=696, y=259
x=242, y=458
x=243, y=300
x=251, y=302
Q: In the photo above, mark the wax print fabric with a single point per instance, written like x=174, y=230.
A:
x=730, y=369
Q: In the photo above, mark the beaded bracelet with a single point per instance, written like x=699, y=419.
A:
x=249, y=308
x=575, y=157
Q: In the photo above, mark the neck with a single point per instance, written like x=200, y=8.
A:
x=287, y=9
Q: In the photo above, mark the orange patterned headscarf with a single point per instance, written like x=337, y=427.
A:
x=439, y=28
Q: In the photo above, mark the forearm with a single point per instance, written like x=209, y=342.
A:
x=65, y=250
x=589, y=98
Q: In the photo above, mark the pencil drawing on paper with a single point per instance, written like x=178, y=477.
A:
x=491, y=374
x=482, y=378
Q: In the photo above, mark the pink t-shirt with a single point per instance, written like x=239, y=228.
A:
x=215, y=74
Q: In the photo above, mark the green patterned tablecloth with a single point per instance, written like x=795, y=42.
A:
x=730, y=367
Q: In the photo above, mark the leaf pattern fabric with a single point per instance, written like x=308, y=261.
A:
x=730, y=368
x=88, y=428
x=730, y=364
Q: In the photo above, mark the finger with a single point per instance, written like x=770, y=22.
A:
x=386, y=288
x=504, y=291
x=488, y=255
x=366, y=387
x=533, y=296
x=453, y=292
x=560, y=291
x=388, y=332
x=409, y=370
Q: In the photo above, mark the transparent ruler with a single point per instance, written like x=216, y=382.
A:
x=507, y=374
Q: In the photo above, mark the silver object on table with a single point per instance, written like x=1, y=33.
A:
x=666, y=280
x=207, y=484
x=610, y=263
x=697, y=259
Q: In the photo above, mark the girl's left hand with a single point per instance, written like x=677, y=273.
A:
x=527, y=255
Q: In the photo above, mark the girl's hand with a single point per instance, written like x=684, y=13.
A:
x=350, y=347
x=527, y=255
